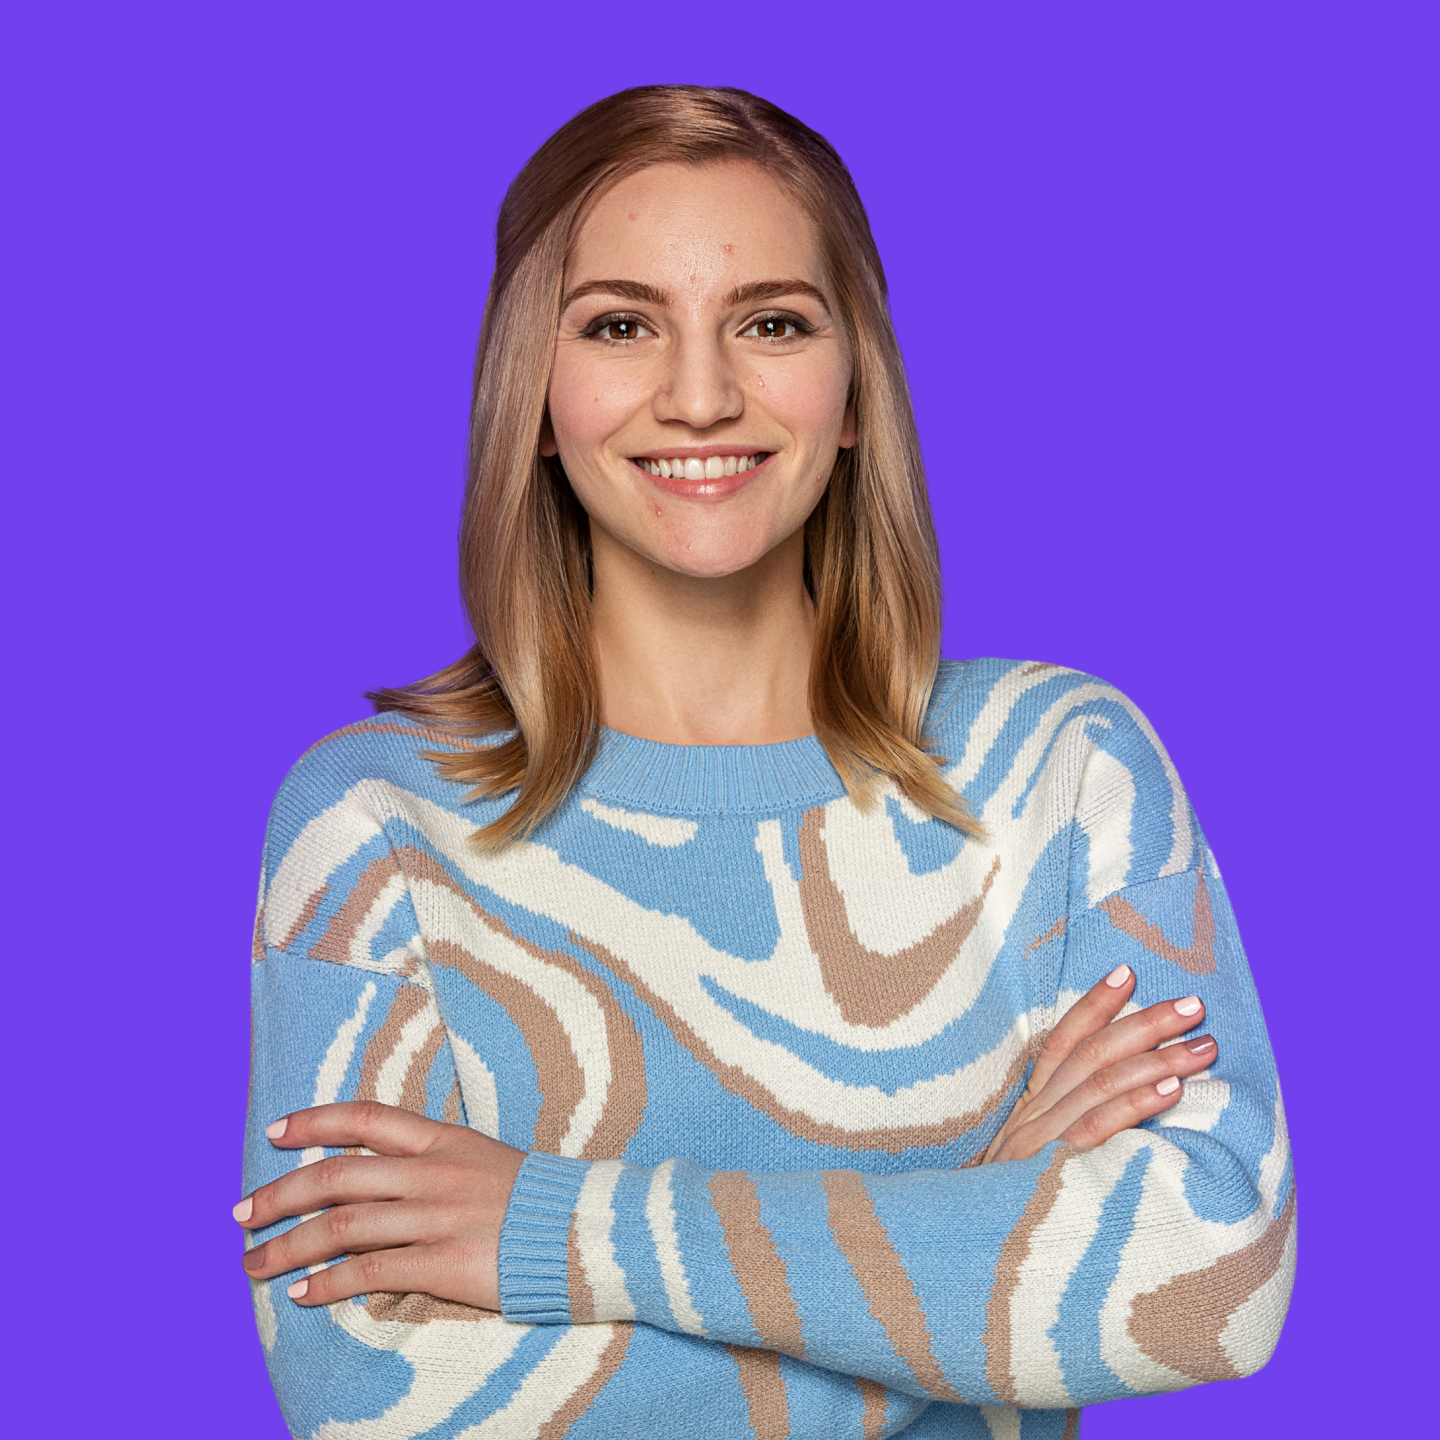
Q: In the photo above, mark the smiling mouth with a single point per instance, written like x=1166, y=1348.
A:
x=713, y=467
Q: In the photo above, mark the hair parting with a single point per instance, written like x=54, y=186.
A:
x=523, y=702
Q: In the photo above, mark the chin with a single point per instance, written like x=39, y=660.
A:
x=705, y=562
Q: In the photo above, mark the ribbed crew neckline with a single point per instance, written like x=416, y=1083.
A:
x=710, y=779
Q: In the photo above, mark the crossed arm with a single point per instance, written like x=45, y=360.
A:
x=423, y=1211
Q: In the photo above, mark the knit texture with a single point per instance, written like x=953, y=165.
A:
x=757, y=1042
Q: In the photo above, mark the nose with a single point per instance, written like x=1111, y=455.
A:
x=699, y=386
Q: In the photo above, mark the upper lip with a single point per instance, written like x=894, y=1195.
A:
x=701, y=452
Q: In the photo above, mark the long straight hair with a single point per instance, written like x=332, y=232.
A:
x=528, y=690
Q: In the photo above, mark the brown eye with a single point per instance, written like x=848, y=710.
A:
x=773, y=327
x=621, y=329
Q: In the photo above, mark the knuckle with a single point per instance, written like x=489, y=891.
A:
x=1055, y=1045
x=1089, y=1051
x=371, y=1268
x=1104, y=1084
x=1139, y=1105
x=370, y=1113
x=330, y=1171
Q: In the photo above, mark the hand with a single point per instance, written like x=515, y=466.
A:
x=1097, y=1075
x=423, y=1213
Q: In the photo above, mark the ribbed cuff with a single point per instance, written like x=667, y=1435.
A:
x=534, y=1240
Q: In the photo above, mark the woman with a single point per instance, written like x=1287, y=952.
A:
x=785, y=1031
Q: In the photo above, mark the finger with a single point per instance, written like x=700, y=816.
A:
x=378, y=1272
x=1094, y=1010
x=1121, y=1039
x=345, y=1230
x=1131, y=1075
x=1124, y=1112
x=385, y=1129
x=335, y=1180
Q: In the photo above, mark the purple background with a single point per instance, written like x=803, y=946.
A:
x=1165, y=279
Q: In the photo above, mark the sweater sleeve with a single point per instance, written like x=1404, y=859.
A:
x=1158, y=1260
x=350, y=1021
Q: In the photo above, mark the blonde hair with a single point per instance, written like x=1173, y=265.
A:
x=529, y=687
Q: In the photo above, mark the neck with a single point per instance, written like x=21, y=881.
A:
x=693, y=661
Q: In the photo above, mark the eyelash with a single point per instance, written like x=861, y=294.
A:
x=596, y=328
x=787, y=317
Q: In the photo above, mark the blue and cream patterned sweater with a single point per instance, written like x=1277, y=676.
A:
x=757, y=1041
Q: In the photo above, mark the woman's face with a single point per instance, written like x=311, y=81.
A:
x=698, y=396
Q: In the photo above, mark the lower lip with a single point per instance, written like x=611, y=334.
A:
x=717, y=489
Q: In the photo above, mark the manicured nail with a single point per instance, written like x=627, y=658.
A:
x=254, y=1259
x=1190, y=1005
x=1168, y=1086
x=1199, y=1047
x=298, y=1289
x=1118, y=976
x=275, y=1131
x=242, y=1211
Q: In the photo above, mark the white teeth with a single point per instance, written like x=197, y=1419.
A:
x=710, y=469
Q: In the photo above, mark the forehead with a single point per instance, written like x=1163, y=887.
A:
x=693, y=230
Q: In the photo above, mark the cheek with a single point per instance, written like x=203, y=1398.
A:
x=588, y=404
x=810, y=404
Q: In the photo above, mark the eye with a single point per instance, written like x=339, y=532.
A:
x=775, y=327
x=618, y=329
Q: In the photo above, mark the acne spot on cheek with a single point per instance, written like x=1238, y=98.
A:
x=727, y=248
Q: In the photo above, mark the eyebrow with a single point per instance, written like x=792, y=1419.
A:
x=635, y=290
x=773, y=290
x=642, y=294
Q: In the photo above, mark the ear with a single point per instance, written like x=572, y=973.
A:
x=548, y=447
x=847, y=428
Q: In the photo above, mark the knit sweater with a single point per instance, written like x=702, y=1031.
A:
x=756, y=1041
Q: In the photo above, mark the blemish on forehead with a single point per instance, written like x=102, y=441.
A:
x=727, y=248
x=634, y=215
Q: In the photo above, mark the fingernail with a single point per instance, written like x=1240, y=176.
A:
x=254, y=1259
x=298, y=1289
x=242, y=1211
x=275, y=1131
x=1118, y=976
x=1168, y=1086
x=1190, y=1005
x=1199, y=1047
